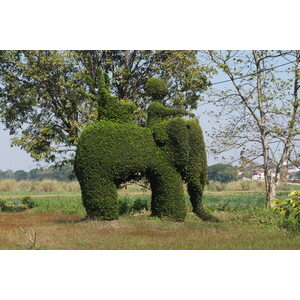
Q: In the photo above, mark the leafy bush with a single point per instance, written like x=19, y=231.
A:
x=125, y=206
x=5, y=206
x=111, y=153
x=29, y=202
x=128, y=206
x=289, y=209
x=140, y=204
x=2, y=204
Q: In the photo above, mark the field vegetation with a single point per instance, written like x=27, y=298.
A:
x=58, y=221
x=12, y=187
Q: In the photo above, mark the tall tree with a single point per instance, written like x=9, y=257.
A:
x=260, y=103
x=222, y=172
x=130, y=69
x=48, y=97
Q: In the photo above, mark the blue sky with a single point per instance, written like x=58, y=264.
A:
x=13, y=157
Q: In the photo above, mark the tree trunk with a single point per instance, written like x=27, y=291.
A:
x=271, y=194
x=271, y=188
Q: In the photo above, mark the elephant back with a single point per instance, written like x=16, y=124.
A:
x=116, y=150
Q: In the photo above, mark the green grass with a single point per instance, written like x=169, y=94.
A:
x=214, y=201
x=59, y=223
x=61, y=204
x=236, y=201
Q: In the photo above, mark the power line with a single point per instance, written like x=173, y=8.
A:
x=267, y=69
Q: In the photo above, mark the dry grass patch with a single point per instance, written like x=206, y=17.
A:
x=72, y=231
x=44, y=186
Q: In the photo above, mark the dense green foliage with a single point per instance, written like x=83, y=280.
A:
x=156, y=88
x=111, y=153
x=114, y=150
x=222, y=172
x=117, y=111
x=182, y=141
x=289, y=208
x=158, y=112
x=29, y=202
x=62, y=174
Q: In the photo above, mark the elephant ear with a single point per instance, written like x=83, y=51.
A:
x=186, y=149
x=179, y=146
x=172, y=137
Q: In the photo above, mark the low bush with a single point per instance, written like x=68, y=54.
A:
x=2, y=203
x=133, y=205
x=289, y=209
x=140, y=204
x=7, y=207
x=29, y=202
x=125, y=206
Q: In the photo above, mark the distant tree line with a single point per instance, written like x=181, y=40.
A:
x=222, y=172
x=61, y=174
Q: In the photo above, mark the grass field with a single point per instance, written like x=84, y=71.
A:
x=58, y=222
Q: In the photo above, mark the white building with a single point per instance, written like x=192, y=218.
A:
x=258, y=174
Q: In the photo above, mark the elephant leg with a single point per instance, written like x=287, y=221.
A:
x=99, y=197
x=167, y=193
x=195, y=190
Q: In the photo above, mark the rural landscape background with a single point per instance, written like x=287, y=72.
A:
x=56, y=220
x=246, y=101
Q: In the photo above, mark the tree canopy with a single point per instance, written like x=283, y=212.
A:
x=48, y=97
x=62, y=174
x=259, y=108
x=222, y=172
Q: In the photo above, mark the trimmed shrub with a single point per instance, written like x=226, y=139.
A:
x=156, y=89
x=117, y=111
x=109, y=154
x=114, y=150
x=157, y=112
x=182, y=141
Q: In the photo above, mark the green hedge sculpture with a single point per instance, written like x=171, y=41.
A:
x=168, y=152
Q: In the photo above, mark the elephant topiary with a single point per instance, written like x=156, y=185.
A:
x=167, y=152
